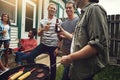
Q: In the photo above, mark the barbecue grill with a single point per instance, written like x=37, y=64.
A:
x=37, y=74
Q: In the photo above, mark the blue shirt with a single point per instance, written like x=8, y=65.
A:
x=7, y=28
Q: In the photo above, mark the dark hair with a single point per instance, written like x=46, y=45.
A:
x=96, y=1
x=72, y=2
x=8, y=22
x=34, y=31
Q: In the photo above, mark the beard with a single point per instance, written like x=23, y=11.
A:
x=78, y=3
x=28, y=35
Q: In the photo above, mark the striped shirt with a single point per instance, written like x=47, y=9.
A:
x=49, y=37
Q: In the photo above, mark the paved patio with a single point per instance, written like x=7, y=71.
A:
x=44, y=59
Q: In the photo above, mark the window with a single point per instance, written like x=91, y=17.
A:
x=29, y=17
x=9, y=7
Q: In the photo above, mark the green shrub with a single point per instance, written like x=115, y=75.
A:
x=110, y=72
x=59, y=72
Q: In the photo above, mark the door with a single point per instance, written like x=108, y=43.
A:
x=28, y=17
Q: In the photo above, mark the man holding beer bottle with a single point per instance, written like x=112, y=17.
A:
x=49, y=40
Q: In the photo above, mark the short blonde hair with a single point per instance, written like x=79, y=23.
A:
x=52, y=4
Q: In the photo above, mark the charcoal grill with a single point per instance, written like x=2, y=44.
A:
x=28, y=67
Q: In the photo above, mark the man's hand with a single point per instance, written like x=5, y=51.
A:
x=56, y=52
x=47, y=27
x=66, y=60
x=65, y=34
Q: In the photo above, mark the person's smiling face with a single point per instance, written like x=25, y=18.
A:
x=5, y=17
x=52, y=9
x=70, y=9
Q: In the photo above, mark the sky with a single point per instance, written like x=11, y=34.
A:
x=111, y=6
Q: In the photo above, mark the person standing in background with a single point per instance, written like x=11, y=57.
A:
x=49, y=40
x=89, y=48
x=68, y=25
x=5, y=35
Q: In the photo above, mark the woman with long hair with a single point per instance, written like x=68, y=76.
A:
x=5, y=35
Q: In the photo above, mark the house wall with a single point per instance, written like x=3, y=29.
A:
x=14, y=37
x=16, y=30
x=46, y=3
x=39, y=15
x=61, y=6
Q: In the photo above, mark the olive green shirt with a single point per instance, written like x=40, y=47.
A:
x=91, y=29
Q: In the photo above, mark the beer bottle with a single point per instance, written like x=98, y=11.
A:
x=57, y=29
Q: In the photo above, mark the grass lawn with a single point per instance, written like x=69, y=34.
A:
x=108, y=73
x=59, y=72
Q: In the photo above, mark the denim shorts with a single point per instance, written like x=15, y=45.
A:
x=4, y=42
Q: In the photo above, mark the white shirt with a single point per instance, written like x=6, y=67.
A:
x=6, y=36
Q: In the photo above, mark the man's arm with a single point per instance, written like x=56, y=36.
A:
x=28, y=50
x=40, y=31
x=65, y=34
x=85, y=52
x=43, y=28
x=33, y=46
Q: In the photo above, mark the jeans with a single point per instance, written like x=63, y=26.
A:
x=41, y=48
x=66, y=73
x=19, y=57
x=4, y=42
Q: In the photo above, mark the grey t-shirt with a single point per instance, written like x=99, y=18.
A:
x=68, y=25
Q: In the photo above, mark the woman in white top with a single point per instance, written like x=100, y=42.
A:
x=5, y=35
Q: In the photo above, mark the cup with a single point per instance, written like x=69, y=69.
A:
x=4, y=32
x=47, y=26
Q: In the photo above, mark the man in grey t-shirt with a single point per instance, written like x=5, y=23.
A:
x=69, y=26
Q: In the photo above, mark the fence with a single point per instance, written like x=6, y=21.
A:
x=114, y=31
